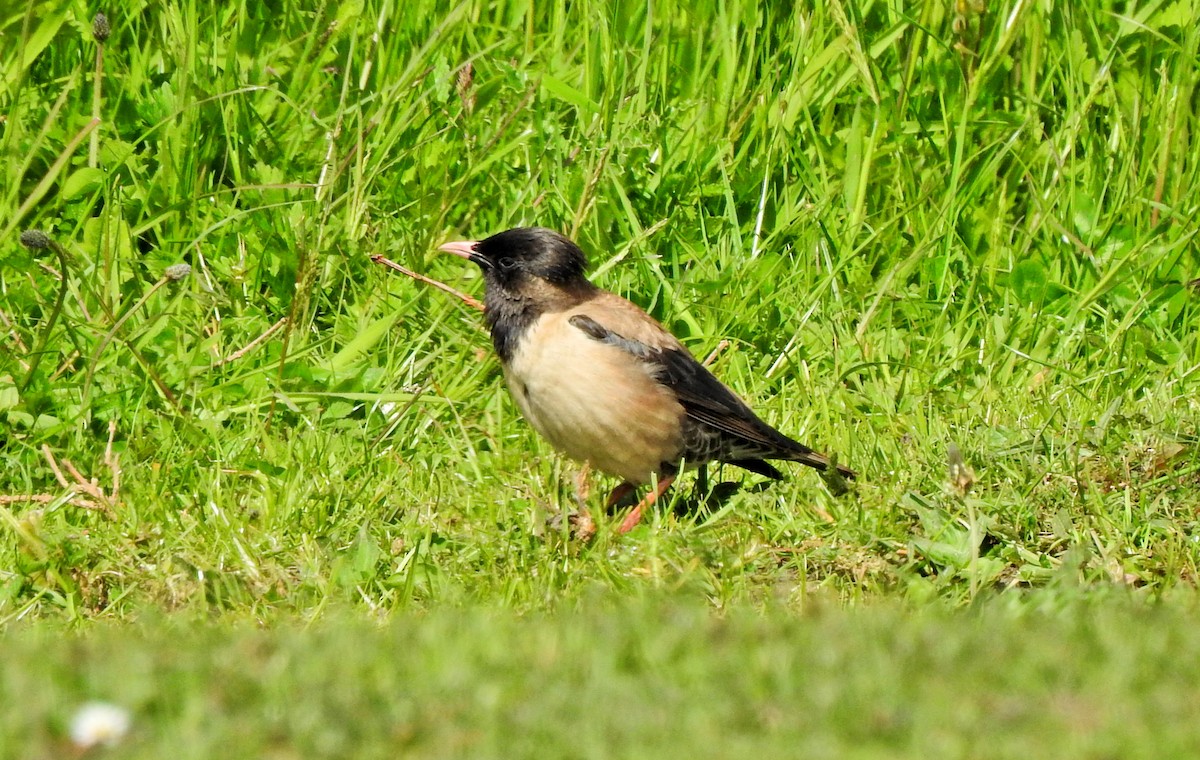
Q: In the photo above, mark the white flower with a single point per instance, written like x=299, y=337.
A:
x=99, y=723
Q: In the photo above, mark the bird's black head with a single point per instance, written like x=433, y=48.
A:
x=516, y=259
x=529, y=271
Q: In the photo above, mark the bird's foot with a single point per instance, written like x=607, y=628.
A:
x=580, y=525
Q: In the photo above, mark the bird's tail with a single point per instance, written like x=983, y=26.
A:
x=805, y=455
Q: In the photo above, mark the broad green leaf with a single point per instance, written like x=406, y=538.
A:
x=82, y=181
x=1028, y=281
x=363, y=341
x=568, y=94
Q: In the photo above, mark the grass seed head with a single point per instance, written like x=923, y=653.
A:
x=35, y=239
x=100, y=28
x=177, y=272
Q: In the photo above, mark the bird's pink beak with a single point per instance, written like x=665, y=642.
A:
x=463, y=248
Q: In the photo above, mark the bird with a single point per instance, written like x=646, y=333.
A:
x=604, y=382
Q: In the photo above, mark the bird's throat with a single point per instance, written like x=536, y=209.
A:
x=508, y=318
x=510, y=312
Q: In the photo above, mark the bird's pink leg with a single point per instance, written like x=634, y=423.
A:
x=635, y=514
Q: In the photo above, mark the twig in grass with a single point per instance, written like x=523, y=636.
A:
x=468, y=300
x=49, y=270
x=46, y=498
x=253, y=344
x=712, y=357
x=54, y=467
x=65, y=365
x=89, y=486
x=102, y=503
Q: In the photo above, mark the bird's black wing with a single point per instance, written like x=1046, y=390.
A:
x=705, y=398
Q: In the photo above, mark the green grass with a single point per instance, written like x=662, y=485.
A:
x=1078, y=681
x=918, y=226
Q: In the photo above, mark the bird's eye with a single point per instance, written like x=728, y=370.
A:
x=507, y=263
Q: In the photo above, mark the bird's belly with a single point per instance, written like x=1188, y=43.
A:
x=594, y=402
